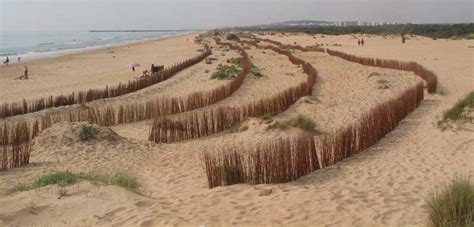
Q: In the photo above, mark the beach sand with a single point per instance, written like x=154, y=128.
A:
x=386, y=185
x=92, y=69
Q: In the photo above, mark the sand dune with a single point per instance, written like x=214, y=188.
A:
x=387, y=185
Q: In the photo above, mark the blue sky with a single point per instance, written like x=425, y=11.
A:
x=205, y=14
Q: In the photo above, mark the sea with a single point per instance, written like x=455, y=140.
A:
x=30, y=45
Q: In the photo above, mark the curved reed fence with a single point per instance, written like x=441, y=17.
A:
x=207, y=122
x=296, y=47
x=23, y=107
x=285, y=160
x=278, y=161
x=15, y=137
x=427, y=75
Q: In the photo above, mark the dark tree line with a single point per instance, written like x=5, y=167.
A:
x=428, y=30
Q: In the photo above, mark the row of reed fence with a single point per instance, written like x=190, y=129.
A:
x=15, y=137
x=203, y=123
x=287, y=159
x=29, y=106
x=427, y=75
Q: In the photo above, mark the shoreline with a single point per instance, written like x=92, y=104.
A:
x=92, y=68
x=84, y=50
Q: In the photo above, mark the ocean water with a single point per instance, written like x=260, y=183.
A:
x=40, y=44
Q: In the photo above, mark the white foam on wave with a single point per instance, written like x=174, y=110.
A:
x=55, y=52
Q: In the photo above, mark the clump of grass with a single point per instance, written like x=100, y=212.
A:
x=256, y=71
x=301, y=122
x=455, y=113
x=243, y=129
x=454, y=205
x=225, y=72
x=266, y=117
x=86, y=133
x=121, y=179
x=63, y=179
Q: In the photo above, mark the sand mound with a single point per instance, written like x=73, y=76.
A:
x=77, y=132
x=65, y=141
x=84, y=203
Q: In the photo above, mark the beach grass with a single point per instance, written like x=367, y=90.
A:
x=456, y=112
x=301, y=122
x=66, y=178
x=453, y=205
x=225, y=72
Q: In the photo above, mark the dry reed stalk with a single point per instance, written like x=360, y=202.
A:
x=278, y=161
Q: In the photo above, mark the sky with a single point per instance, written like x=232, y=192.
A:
x=50, y=15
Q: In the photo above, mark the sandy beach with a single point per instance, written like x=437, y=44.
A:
x=386, y=185
x=92, y=69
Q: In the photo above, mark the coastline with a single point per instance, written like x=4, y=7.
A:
x=60, y=53
x=92, y=68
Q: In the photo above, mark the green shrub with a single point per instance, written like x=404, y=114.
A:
x=454, y=205
x=225, y=72
x=470, y=36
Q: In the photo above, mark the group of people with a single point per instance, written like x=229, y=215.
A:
x=154, y=69
x=360, y=42
x=7, y=60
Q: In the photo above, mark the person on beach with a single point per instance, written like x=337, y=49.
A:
x=6, y=61
x=133, y=68
x=358, y=42
x=362, y=42
x=19, y=59
x=25, y=74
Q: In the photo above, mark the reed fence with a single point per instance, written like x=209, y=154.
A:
x=206, y=122
x=16, y=137
x=287, y=159
x=427, y=75
x=29, y=106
